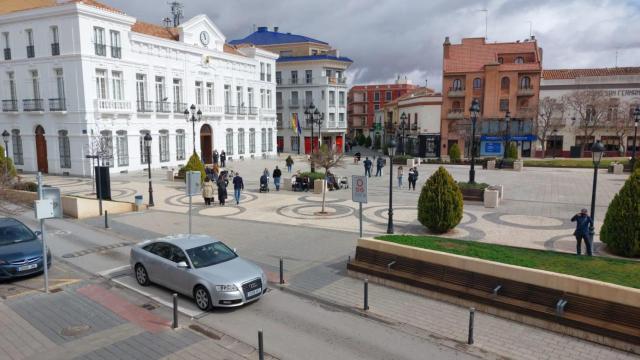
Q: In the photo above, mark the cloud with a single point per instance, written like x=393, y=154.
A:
x=387, y=38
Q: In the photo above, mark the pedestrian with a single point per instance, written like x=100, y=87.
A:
x=367, y=166
x=289, y=162
x=415, y=178
x=583, y=224
x=223, y=158
x=379, y=166
x=265, y=172
x=276, y=178
x=222, y=189
x=238, y=185
x=400, y=174
x=216, y=157
x=207, y=191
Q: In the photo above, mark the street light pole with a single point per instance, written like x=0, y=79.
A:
x=5, y=138
x=309, y=116
x=403, y=120
x=392, y=151
x=193, y=116
x=147, y=143
x=507, y=136
x=636, y=117
x=596, y=153
x=474, y=111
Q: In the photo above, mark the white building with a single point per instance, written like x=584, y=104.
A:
x=79, y=73
x=421, y=108
x=308, y=71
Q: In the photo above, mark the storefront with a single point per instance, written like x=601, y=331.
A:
x=495, y=145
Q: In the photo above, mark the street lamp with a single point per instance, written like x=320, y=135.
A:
x=313, y=115
x=403, y=122
x=507, y=137
x=636, y=118
x=147, y=145
x=5, y=138
x=193, y=117
x=596, y=153
x=391, y=147
x=474, y=110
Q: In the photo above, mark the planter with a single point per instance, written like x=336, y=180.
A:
x=615, y=169
x=318, y=186
x=491, y=164
x=491, y=198
x=472, y=194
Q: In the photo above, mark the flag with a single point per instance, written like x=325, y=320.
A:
x=294, y=122
x=298, y=124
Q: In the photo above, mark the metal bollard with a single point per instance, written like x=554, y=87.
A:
x=281, y=271
x=366, y=294
x=471, y=314
x=174, y=325
x=106, y=220
x=260, y=346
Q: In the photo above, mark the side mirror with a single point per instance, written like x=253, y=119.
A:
x=235, y=250
x=38, y=232
x=183, y=265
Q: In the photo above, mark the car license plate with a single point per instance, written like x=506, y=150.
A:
x=27, y=267
x=254, y=292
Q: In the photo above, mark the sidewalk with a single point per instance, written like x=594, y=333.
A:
x=91, y=320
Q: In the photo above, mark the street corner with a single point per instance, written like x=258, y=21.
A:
x=60, y=275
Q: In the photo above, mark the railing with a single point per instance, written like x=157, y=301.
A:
x=294, y=104
x=31, y=51
x=455, y=114
x=242, y=110
x=57, y=104
x=145, y=106
x=116, y=52
x=179, y=107
x=55, y=49
x=106, y=105
x=525, y=91
x=293, y=81
x=456, y=92
x=253, y=110
x=9, y=105
x=32, y=105
x=101, y=49
x=163, y=106
x=230, y=110
x=264, y=111
x=210, y=109
x=360, y=111
x=278, y=81
x=342, y=124
x=7, y=53
x=336, y=80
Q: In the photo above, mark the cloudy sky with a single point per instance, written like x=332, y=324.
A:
x=390, y=37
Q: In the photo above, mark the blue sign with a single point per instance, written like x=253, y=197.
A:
x=528, y=137
x=491, y=148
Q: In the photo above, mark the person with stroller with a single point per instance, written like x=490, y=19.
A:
x=238, y=186
x=264, y=183
x=332, y=184
x=207, y=191
x=277, y=174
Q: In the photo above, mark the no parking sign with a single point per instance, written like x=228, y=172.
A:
x=359, y=189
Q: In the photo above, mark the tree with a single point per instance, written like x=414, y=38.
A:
x=7, y=170
x=512, y=151
x=361, y=139
x=367, y=141
x=621, y=227
x=454, y=153
x=620, y=119
x=326, y=158
x=440, y=204
x=194, y=164
x=377, y=142
x=589, y=109
x=550, y=117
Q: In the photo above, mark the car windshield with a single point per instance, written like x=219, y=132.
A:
x=210, y=254
x=12, y=233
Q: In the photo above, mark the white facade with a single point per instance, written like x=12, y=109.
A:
x=113, y=81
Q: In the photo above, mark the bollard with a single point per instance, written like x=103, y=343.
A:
x=366, y=294
x=106, y=220
x=471, y=314
x=260, y=346
x=174, y=325
x=281, y=271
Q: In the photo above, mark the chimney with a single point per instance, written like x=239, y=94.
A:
x=533, y=38
x=275, y=29
x=446, y=46
x=262, y=29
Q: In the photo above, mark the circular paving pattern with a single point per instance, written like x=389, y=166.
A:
x=567, y=243
x=318, y=199
x=335, y=211
x=183, y=200
x=527, y=221
x=219, y=211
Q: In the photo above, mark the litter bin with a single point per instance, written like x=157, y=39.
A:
x=138, y=200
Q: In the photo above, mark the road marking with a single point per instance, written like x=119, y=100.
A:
x=106, y=273
x=96, y=250
x=63, y=282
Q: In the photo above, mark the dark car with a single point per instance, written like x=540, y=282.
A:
x=20, y=250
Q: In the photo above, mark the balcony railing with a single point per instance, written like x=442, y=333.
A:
x=179, y=107
x=230, y=110
x=336, y=80
x=294, y=103
x=525, y=91
x=145, y=106
x=210, y=109
x=455, y=92
x=242, y=110
x=101, y=49
x=455, y=114
x=264, y=111
x=253, y=110
x=9, y=105
x=55, y=49
x=106, y=105
x=7, y=53
x=57, y=104
x=31, y=51
x=116, y=52
x=32, y=105
x=163, y=106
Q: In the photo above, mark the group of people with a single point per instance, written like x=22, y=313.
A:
x=220, y=180
x=219, y=158
x=300, y=182
x=380, y=163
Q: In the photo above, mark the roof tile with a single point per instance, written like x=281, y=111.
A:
x=472, y=56
x=560, y=74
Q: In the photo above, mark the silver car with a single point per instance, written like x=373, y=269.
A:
x=200, y=267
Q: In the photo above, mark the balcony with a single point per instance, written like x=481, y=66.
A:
x=57, y=104
x=112, y=106
x=210, y=109
x=116, y=52
x=525, y=112
x=179, y=107
x=9, y=105
x=31, y=51
x=230, y=110
x=242, y=110
x=294, y=103
x=525, y=91
x=455, y=114
x=7, y=53
x=55, y=49
x=144, y=106
x=359, y=111
x=264, y=111
x=101, y=49
x=163, y=106
x=455, y=92
x=32, y=105
x=335, y=80
x=253, y=110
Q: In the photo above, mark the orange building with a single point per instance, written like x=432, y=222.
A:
x=503, y=77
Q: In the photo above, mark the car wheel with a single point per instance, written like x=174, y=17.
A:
x=141, y=275
x=202, y=297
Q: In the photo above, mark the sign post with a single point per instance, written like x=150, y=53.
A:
x=359, y=193
x=193, y=188
x=48, y=206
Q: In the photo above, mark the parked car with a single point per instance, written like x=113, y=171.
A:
x=20, y=250
x=200, y=267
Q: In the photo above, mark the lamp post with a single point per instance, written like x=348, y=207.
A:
x=507, y=136
x=147, y=145
x=313, y=115
x=403, y=123
x=636, y=118
x=391, y=147
x=474, y=110
x=555, y=137
x=596, y=153
x=318, y=117
x=193, y=116
x=5, y=138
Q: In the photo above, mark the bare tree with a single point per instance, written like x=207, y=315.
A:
x=326, y=158
x=620, y=120
x=550, y=117
x=589, y=112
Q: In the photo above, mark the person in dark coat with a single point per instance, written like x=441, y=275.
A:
x=367, y=166
x=222, y=190
x=277, y=174
x=238, y=185
x=379, y=166
x=223, y=158
x=583, y=224
x=216, y=157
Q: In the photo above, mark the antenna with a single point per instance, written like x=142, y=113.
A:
x=176, y=11
x=530, y=29
x=616, y=57
x=166, y=21
x=486, y=21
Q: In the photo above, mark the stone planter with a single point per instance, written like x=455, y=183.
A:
x=287, y=184
x=500, y=189
x=617, y=169
x=318, y=186
x=491, y=198
x=518, y=165
x=472, y=194
x=491, y=164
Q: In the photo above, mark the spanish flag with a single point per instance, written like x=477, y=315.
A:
x=294, y=122
x=298, y=124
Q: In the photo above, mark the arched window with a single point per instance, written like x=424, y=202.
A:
x=477, y=83
x=457, y=84
x=519, y=60
x=525, y=82
x=241, y=141
x=106, y=147
x=122, y=147
x=263, y=139
x=143, y=150
x=65, y=149
x=504, y=83
x=180, y=150
x=163, y=143
x=229, y=141
x=16, y=141
x=252, y=141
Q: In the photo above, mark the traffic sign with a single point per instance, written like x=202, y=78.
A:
x=359, y=189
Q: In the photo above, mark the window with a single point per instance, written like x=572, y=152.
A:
x=376, y=96
x=294, y=98
x=250, y=97
x=519, y=60
x=198, y=92
x=55, y=41
x=64, y=149
x=239, y=96
x=477, y=83
x=240, y=141
x=322, y=94
x=332, y=119
x=263, y=98
x=263, y=139
x=376, y=106
x=308, y=76
x=30, y=48
x=278, y=98
x=229, y=141
x=328, y=73
x=269, y=72
x=99, y=41
x=59, y=83
x=500, y=60
x=180, y=148
x=141, y=90
x=341, y=119
x=160, y=92
x=252, y=141
x=16, y=141
x=294, y=144
x=332, y=98
x=341, y=98
x=308, y=98
x=35, y=84
x=270, y=140
x=388, y=96
x=294, y=77
x=163, y=142
x=586, y=141
x=210, y=94
x=278, y=77
x=227, y=97
x=106, y=147
x=525, y=82
x=144, y=159
x=122, y=148
x=504, y=83
x=504, y=104
x=117, y=85
x=269, y=99
x=457, y=85
x=115, y=44
x=12, y=86
x=177, y=95
x=7, y=47
x=101, y=84
x=262, y=71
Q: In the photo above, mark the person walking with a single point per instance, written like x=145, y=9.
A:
x=379, y=166
x=414, y=178
x=400, y=175
x=289, y=162
x=276, y=178
x=222, y=190
x=367, y=166
x=216, y=157
x=583, y=223
x=207, y=191
x=223, y=158
x=238, y=185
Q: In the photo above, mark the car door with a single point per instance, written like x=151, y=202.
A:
x=157, y=264
x=182, y=279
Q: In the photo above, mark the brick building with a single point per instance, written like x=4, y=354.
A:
x=503, y=77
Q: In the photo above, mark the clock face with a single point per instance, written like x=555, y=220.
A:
x=204, y=38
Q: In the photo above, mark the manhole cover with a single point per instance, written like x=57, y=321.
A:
x=149, y=306
x=75, y=330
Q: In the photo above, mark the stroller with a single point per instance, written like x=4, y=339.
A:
x=264, y=184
